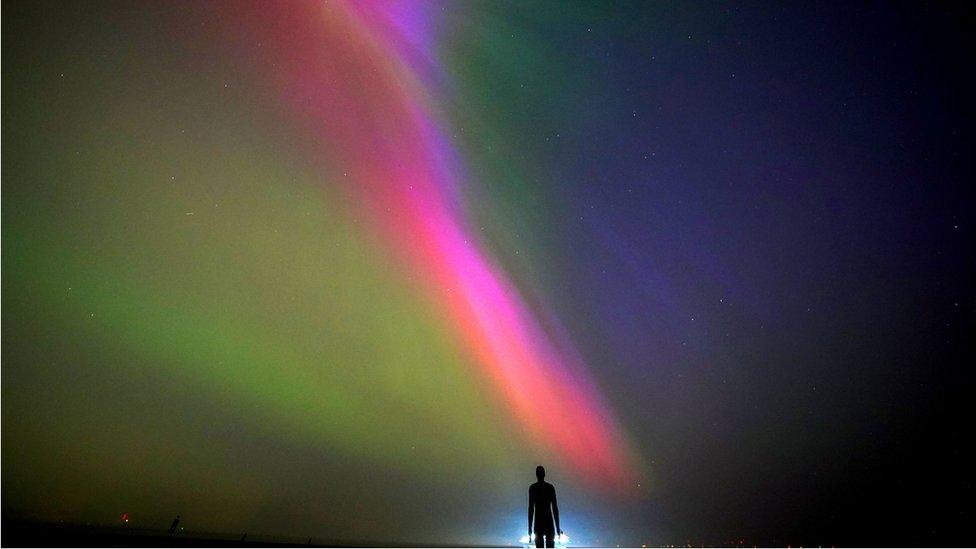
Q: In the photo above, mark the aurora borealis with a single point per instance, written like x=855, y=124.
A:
x=352, y=269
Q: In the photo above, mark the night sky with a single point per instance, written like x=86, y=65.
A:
x=351, y=270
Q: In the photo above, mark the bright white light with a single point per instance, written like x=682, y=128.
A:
x=561, y=539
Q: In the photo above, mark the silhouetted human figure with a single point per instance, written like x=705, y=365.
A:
x=244, y=538
x=542, y=504
x=172, y=527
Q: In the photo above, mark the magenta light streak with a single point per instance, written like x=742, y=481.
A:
x=357, y=78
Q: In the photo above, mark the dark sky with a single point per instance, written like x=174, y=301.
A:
x=351, y=270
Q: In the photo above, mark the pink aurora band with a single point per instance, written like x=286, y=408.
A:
x=357, y=77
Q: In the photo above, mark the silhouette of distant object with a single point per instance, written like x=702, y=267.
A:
x=542, y=505
x=244, y=538
x=172, y=527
